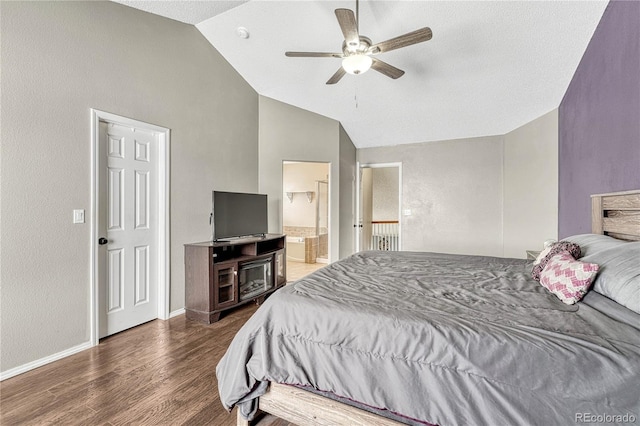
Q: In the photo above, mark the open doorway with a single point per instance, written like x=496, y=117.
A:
x=379, y=199
x=305, y=216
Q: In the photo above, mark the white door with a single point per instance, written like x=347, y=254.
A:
x=128, y=227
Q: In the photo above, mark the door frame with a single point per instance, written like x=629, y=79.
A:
x=358, y=230
x=164, y=253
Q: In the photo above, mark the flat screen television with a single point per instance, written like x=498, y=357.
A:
x=237, y=214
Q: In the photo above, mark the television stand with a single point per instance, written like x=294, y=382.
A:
x=221, y=275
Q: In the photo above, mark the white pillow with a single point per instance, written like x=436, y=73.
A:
x=592, y=243
x=619, y=275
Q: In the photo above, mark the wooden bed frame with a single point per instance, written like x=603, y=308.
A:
x=305, y=408
x=615, y=214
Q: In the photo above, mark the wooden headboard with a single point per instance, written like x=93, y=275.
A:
x=616, y=214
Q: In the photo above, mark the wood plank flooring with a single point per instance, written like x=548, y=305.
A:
x=159, y=373
x=297, y=270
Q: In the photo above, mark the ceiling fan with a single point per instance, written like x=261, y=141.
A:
x=358, y=51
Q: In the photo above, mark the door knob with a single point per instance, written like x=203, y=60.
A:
x=102, y=241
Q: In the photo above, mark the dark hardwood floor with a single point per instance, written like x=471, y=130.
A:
x=159, y=373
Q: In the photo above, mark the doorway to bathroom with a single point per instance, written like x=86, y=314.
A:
x=305, y=216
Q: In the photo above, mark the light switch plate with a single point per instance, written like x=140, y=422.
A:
x=406, y=212
x=78, y=216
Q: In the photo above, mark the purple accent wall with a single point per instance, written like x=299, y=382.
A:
x=599, y=119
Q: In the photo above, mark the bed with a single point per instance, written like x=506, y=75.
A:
x=428, y=338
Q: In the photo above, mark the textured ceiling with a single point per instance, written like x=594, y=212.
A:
x=491, y=66
x=187, y=11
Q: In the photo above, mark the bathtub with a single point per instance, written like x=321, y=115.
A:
x=295, y=248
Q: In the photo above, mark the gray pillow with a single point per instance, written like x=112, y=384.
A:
x=592, y=243
x=619, y=274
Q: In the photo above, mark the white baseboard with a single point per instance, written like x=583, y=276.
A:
x=43, y=361
x=55, y=357
x=177, y=312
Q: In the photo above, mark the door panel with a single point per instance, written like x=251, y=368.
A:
x=115, y=277
x=142, y=200
x=116, y=201
x=142, y=275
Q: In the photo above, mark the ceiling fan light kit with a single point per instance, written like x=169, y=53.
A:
x=357, y=64
x=357, y=50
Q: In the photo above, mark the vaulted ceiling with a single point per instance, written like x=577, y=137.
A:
x=490, y=67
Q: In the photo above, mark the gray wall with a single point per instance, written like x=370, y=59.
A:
x=531, y=185
x=347, y=193
x=454, y=191
x=491, y=196
x=599, y=118
x=288, y=133
x=59, y=59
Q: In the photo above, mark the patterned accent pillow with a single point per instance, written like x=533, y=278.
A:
x=561, y=246
x=567, y=278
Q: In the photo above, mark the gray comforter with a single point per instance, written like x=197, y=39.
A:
x=445, y=339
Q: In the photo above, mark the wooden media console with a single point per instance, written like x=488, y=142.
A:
x=223, y=275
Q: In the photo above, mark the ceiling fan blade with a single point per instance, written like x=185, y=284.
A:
x=313, y=55
x=349, y=26
x=386, y=69
x=417, y=36
x=337, y=76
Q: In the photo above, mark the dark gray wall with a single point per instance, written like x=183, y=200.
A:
x=59, y=59
x=599, y=119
